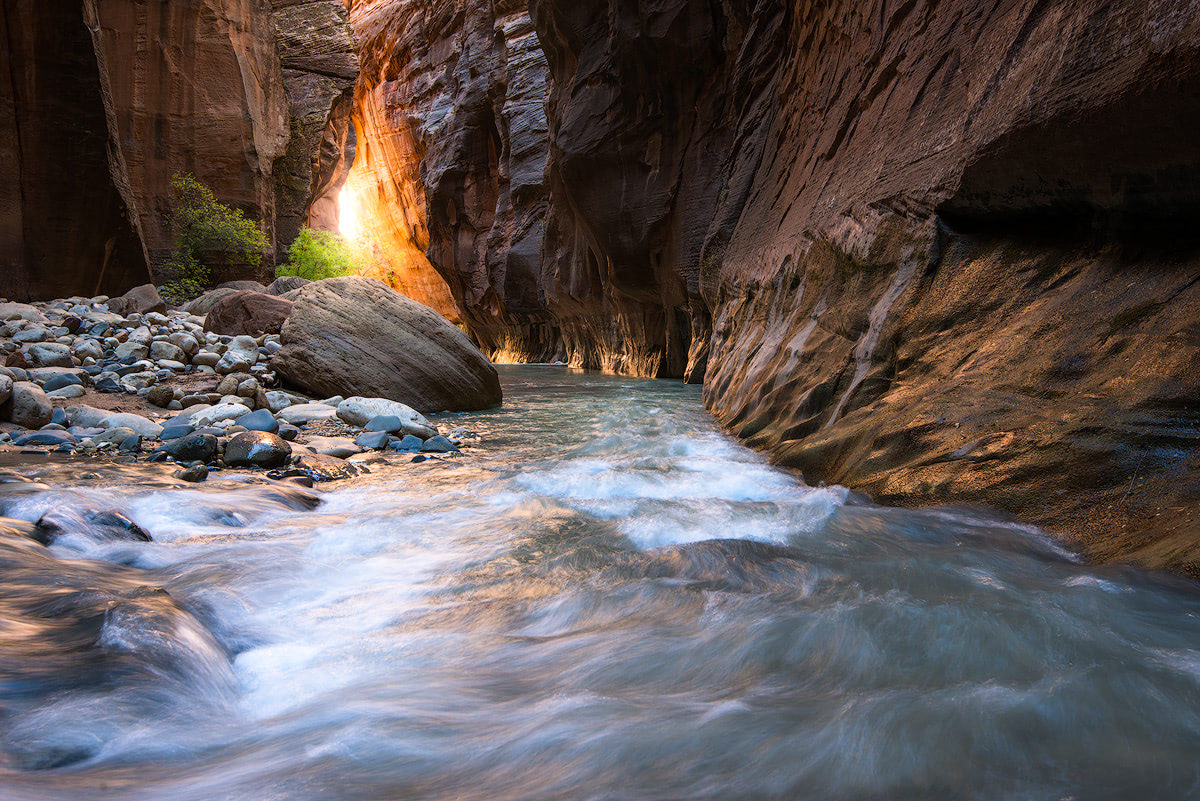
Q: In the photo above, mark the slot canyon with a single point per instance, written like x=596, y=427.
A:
x=933, y=264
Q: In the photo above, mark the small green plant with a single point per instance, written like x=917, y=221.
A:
x=202, y=226
x=319, y=254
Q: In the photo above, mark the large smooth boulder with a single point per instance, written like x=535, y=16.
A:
x=249, y=313
x=358, y=336
x=140, y=300
x=28, y=405
x=360, y=411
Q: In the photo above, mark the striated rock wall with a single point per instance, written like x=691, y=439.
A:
x=319, y=57
x=945, y=251
x=195, y=86
x=450, y=172
x=65, y=226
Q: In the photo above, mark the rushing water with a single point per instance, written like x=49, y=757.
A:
x=607, y=599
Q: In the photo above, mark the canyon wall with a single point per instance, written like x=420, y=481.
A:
x=108, y=100
x=947, y=250
x=65, y=220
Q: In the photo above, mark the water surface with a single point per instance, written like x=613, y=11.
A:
x=608, y=598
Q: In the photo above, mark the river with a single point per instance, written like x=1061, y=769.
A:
x=607, y=599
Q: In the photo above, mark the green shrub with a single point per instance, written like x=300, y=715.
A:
x=203, y=226
x=319, y=254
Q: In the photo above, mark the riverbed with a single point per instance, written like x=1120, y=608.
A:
x=608, y=598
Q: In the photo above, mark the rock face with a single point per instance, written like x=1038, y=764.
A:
x=105, y=101
x=247, y=313
x=450, y=171
x=356, y=336
x=942, y=248
x=55, y=171
x=195, y=86
x=320, y=67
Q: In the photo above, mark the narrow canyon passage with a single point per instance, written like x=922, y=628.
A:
x=609, y=598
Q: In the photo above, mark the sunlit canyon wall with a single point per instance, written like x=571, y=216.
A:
x=939, y=252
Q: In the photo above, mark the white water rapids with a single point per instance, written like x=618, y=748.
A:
x=607, y=598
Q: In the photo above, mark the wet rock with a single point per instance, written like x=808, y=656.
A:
x=288, y=432
x=360, y=411
x=257, y=449
x=261, y=420
x=319, y=467
x=196, y=447
x=373, y=440
x=139, y=300
x=357, y=336
x=408, y=444
x=334, y=446
x=438, y=444
x=251, y=313
x=28, y=405
x=46, y=438
x=104, y=525
x=196, y=473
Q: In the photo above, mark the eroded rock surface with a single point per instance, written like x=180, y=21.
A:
x=943, y=247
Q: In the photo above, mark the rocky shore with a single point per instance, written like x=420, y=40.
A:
x=129, y=379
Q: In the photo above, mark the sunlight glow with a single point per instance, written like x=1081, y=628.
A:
x=349, y=221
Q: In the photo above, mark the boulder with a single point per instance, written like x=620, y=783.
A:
x=243, y=286
x=257, y=449
x=286, y=283
x=306, y=412
x=48, y=354
x=6, y=387
x=141, y=426
x=204, y=303
x=139, y=300
x=251, y=313
x=28, y=405
x=361, y=411
x=192, y=448
x=357, y=336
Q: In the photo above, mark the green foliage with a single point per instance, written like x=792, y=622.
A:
x=319, y=254
x=202, y=226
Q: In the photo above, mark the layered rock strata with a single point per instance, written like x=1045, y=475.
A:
x=450, y=170
x=319, y=57
x=946, y=253
x=194, y=86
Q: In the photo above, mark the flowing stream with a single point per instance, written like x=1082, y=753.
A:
x=606, y=599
